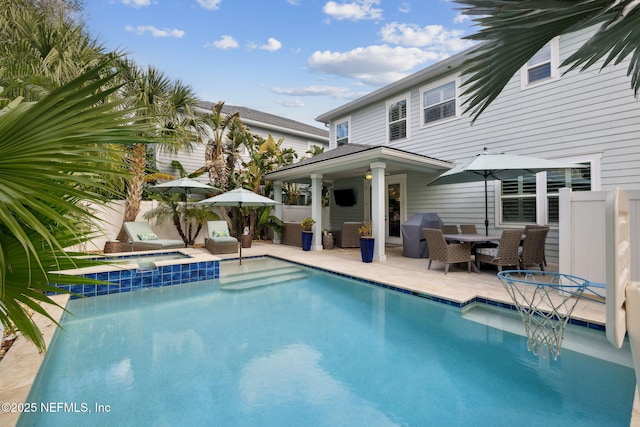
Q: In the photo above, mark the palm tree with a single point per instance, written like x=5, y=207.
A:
x=215, y=153
x=42, y=49
x=44, y=189
x=513, y=31
x=169, y=107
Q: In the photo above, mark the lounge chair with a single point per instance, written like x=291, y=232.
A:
x=441, y=251
x=506, y=254
x=142, y=238
x=532, y=250
x=219, y=240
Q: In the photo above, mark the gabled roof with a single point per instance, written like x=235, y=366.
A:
x=248, y=115
x=351, y=160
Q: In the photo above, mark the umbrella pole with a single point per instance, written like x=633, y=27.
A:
x=486, y=208
x=240, y=240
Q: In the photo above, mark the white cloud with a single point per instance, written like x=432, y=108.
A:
x=335, y=92
x=291, y=103
x=373, y=65
x=272, y=45
x=429, y=36
x=225, y=42
x=210, y=4
x=155, y=32
x=294, y=2
x=461, y=18
x=356, y=10
x=136, y=3
x=404, y=8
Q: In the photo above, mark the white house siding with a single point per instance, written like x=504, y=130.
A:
x=589, y=113
x=195, y=159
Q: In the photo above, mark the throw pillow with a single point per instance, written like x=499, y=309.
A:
x=220, y=233
x=147, y=236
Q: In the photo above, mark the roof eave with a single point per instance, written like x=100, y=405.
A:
x=432, y=72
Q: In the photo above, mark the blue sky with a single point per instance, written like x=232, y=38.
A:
x=293, y=58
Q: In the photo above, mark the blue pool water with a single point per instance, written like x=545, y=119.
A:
x=319, y=350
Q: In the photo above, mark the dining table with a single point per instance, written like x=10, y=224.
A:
x=474, y=239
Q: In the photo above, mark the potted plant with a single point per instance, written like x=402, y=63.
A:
x=367, y=241
x=307, y=234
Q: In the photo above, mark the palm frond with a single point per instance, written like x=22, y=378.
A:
x=513, y=31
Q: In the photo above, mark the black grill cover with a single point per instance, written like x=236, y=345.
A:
x=414, y=244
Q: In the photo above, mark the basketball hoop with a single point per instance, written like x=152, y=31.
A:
x=545, y=301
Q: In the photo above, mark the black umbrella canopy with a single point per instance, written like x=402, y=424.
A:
x=489, y=165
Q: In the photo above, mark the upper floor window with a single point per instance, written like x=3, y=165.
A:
x=438, y=102
x=543, y=66
x=397, y=117
x=342, y=132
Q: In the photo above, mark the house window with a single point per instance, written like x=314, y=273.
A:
x=521, y=197
x=543, y=66
x=397, y=113
x=342, y=132
x=439, y=103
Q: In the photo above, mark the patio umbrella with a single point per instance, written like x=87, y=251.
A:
x=490, y=165
x=184, y=186
x=240, y=198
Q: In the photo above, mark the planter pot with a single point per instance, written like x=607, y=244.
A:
x=307, y=237
x=245, y=239
x=366, y=248
x=327, y=241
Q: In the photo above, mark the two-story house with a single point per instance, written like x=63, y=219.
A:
x=388, y=145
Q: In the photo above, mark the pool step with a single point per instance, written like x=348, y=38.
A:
x=236, y=282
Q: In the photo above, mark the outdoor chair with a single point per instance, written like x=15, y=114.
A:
x=450, y=229
x=441, y=251
x=506, y=254
x=219, y=241
x=532, y=250
x=349, y=236
x=142, y=238
x=468, y=229
x=533, y=227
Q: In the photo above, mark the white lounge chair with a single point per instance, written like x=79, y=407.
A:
x=142, y=238
x=219, y=240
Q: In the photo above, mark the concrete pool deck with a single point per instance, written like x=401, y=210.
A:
x=20, y=366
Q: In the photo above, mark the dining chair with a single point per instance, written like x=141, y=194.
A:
x=450, y=229
x=532, y=250
x=441, y=251
x=533, y=227
x=468, y=229
x=506, y=254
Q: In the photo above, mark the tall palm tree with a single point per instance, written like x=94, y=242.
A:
x=513, y=31
x=169, y=107
x=44, y=189
x=215, y=154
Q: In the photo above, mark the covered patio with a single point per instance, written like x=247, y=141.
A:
x=368, y=170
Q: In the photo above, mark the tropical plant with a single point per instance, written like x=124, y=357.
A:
x=45, y=189
x=266, y=222
x=365, y=230
x=215, y=145
x=513, y=31
x=307, y=224
x=188, y=218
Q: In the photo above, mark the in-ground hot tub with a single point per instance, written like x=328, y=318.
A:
x=129, y=271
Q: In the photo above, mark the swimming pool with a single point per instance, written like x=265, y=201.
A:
x=314, y=349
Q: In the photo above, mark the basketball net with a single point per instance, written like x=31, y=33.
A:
x=545, y=305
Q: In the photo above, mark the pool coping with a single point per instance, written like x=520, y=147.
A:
x=458, y=304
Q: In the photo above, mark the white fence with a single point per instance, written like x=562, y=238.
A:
x=583, y=234
x=110, y=217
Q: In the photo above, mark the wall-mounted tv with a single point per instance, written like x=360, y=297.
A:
x=344, y=197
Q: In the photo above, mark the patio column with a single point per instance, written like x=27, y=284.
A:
x=377, y=209
x=277, y=196
x=316, y=210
